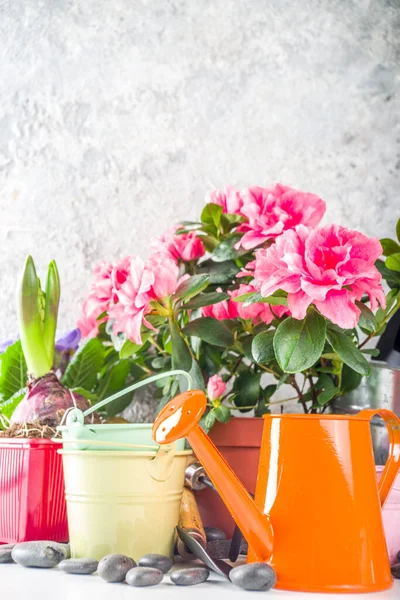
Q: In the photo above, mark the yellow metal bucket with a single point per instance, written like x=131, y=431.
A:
x=125, y=502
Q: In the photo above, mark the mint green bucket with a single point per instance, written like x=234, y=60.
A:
x=133, y=437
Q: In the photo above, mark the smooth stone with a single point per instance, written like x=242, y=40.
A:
x=45, y=555
x=114, y=567
x=212, y=533
x=156, y=561
x=190, y=576
x=253, y=576
x=79, y=566
x=144, y=576
x=218, y=548
x=395, y=569
x=5, y=555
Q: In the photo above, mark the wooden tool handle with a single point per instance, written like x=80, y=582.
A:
x=189, y=519
x=189, y=516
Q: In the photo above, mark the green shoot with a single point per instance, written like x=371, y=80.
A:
x=29, y=309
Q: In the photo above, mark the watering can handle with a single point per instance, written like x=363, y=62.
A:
x=137, y=385
x=391, y=469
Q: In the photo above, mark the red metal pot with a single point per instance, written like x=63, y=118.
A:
x=32, y=496
x=239, y=442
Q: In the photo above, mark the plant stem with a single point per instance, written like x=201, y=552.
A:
x=300, y=393
x=313, y=394
x=156, y=345
x=234, y=368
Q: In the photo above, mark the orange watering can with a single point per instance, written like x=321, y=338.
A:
x=316, y=517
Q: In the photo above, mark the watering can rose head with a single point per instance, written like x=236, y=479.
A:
x=256, y=293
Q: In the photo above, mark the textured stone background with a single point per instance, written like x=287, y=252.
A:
x=117, y=117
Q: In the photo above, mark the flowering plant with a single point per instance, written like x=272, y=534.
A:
x=257, y=286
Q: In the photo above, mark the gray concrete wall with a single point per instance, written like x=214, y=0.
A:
x=117, y=116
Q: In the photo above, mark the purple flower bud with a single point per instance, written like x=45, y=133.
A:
x=68, y=341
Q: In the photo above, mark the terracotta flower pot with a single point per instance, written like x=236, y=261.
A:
x=239, y=442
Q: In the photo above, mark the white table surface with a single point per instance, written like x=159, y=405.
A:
x=19, y=583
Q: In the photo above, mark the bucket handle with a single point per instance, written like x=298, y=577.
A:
x=392, y=466
x=75, y=416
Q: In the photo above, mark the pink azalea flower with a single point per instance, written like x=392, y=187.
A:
x=330, y=267
x=108, y=279
x=229, y=198
x=221, y=310
x=133, y=303
x=274, y=209
x=183, y=247
x=166, y=276
x=228, y=309
x=215, y=387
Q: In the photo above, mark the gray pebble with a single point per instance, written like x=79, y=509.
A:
x=212, y=533
x=156, y=561
x=190, y=576
x=395, y=569
x=44, y=555
x=79, y=566
x=7, y=546
x=144, y=577
x=114, y=567
x=253, y=576
x=5, y=555
x=218, y=548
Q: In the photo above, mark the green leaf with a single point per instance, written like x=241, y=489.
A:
x=85, y=366
x=256, y=298
x=13, y=370
x=209, y=419
x=367, y=318
x=205, y=300
x=348, y=352
x=393, y=262
x=299, y=344
x=247, y=390
x=197, y=376
x=30, y=321
x=191, y=287
x=113, y=381
x=371, y=351
x=389, y=246
x=7, y=408
x=230, y=221
x=226, y=249
x=211, y=214
x=392, y=278
x=327, y=395
x=262, y=347
x=350, y=379
x=210, y=330
x=181, y=357
x=398, y=230
x=222, y=413
x=130, y=348
x=51, y=309
x=220, y=273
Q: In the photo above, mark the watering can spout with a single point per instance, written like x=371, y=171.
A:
x=180, y=418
